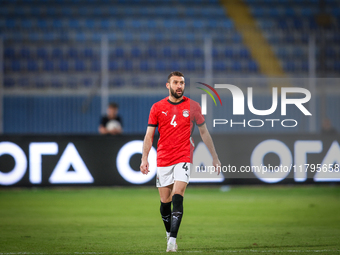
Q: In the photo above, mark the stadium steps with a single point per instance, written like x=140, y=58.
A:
x=260, y=49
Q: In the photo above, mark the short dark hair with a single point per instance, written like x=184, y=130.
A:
x=175, y=73
x=113, y=105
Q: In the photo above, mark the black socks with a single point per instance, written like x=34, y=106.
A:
x=176, y=215
x=166, y=215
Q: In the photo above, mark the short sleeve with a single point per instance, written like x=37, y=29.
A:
x=153, y=120
x=103, y=121
x=120, y=120
x=198, y=117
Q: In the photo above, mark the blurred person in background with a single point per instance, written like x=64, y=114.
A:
x=111, y=124
x=327, y=127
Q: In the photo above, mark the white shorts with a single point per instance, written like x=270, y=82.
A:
x=167, y=175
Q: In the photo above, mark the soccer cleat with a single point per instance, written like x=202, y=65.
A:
x=172, y=247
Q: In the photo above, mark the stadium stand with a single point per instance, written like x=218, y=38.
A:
x=287, y=25
x=149, y=37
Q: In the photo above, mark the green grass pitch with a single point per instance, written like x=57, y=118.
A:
x=244, y=220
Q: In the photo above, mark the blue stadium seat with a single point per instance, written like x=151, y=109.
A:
x=32, y=65
x=72, y=53
x=40, y=83
x=289, y=66
x=198, y=24
x=56, y=83
x=104, y=24
x=282, y=52
x=66, y=11
x=25, y=52
x=236, y=66
x=89, y=23
x=41, y=53
x=80, y=37
x=174, y=65
x=42, y=24
x=167, y=52
x=160, y=65
x=219, y=66
x=144, y=66
x=57, y=23
x=88, y=53
x=87, y=82
x=128, y=65
x=50, y=11
x=253, y=66
x=63, y=65
x=136, y=52
x=215, y=53
x=159, y=37
x=10, y=23
x=97, y=11
x=119, y=52
x=74, y=23
x=182, y=52
x=79, y=65
x=244, y=53
x=298, y=52
x=96, y=37
x=26, y=23
x=9, y=82
x=118, y=82
x=57, y=53
x=330, y=53
x=190, y=66
x=113, y=66
x=95, y=66
x=305, y=66
x=197, y=53
x=120, y=24
x=9, y=53
x=16, y=66
x=48, y=65
x=152, y=52
x=151, y=24
x=298, y=23
x=23, y=82
x=144, y=37
x=236, y=38
x=229, y=53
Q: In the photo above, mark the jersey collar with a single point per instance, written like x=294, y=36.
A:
x=176, y=103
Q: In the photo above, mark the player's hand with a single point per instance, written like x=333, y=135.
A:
x=144, y=167
x=217, y=164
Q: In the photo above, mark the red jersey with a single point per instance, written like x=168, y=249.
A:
x=175, y=122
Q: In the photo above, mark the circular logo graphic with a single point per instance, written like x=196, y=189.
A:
x=185, y=113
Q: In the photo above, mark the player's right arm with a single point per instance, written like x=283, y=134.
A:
x=147, y=144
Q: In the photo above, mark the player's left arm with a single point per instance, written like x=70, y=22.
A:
x=210, y=144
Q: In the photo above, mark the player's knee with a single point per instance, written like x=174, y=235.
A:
x=177, y=203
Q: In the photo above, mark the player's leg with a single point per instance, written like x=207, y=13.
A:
x=164, y=183
x=165, y=209
x=177, y=210
x=181, y=177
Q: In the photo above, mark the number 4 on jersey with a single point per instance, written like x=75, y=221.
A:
x=173, y=122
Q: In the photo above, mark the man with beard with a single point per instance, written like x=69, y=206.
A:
x=175, y=117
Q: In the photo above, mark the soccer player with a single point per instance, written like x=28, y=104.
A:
x=175, y=117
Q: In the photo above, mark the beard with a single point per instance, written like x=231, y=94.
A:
x=174, y=93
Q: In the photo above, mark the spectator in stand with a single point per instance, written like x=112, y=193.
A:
x=111, y=124
x=327, y=127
